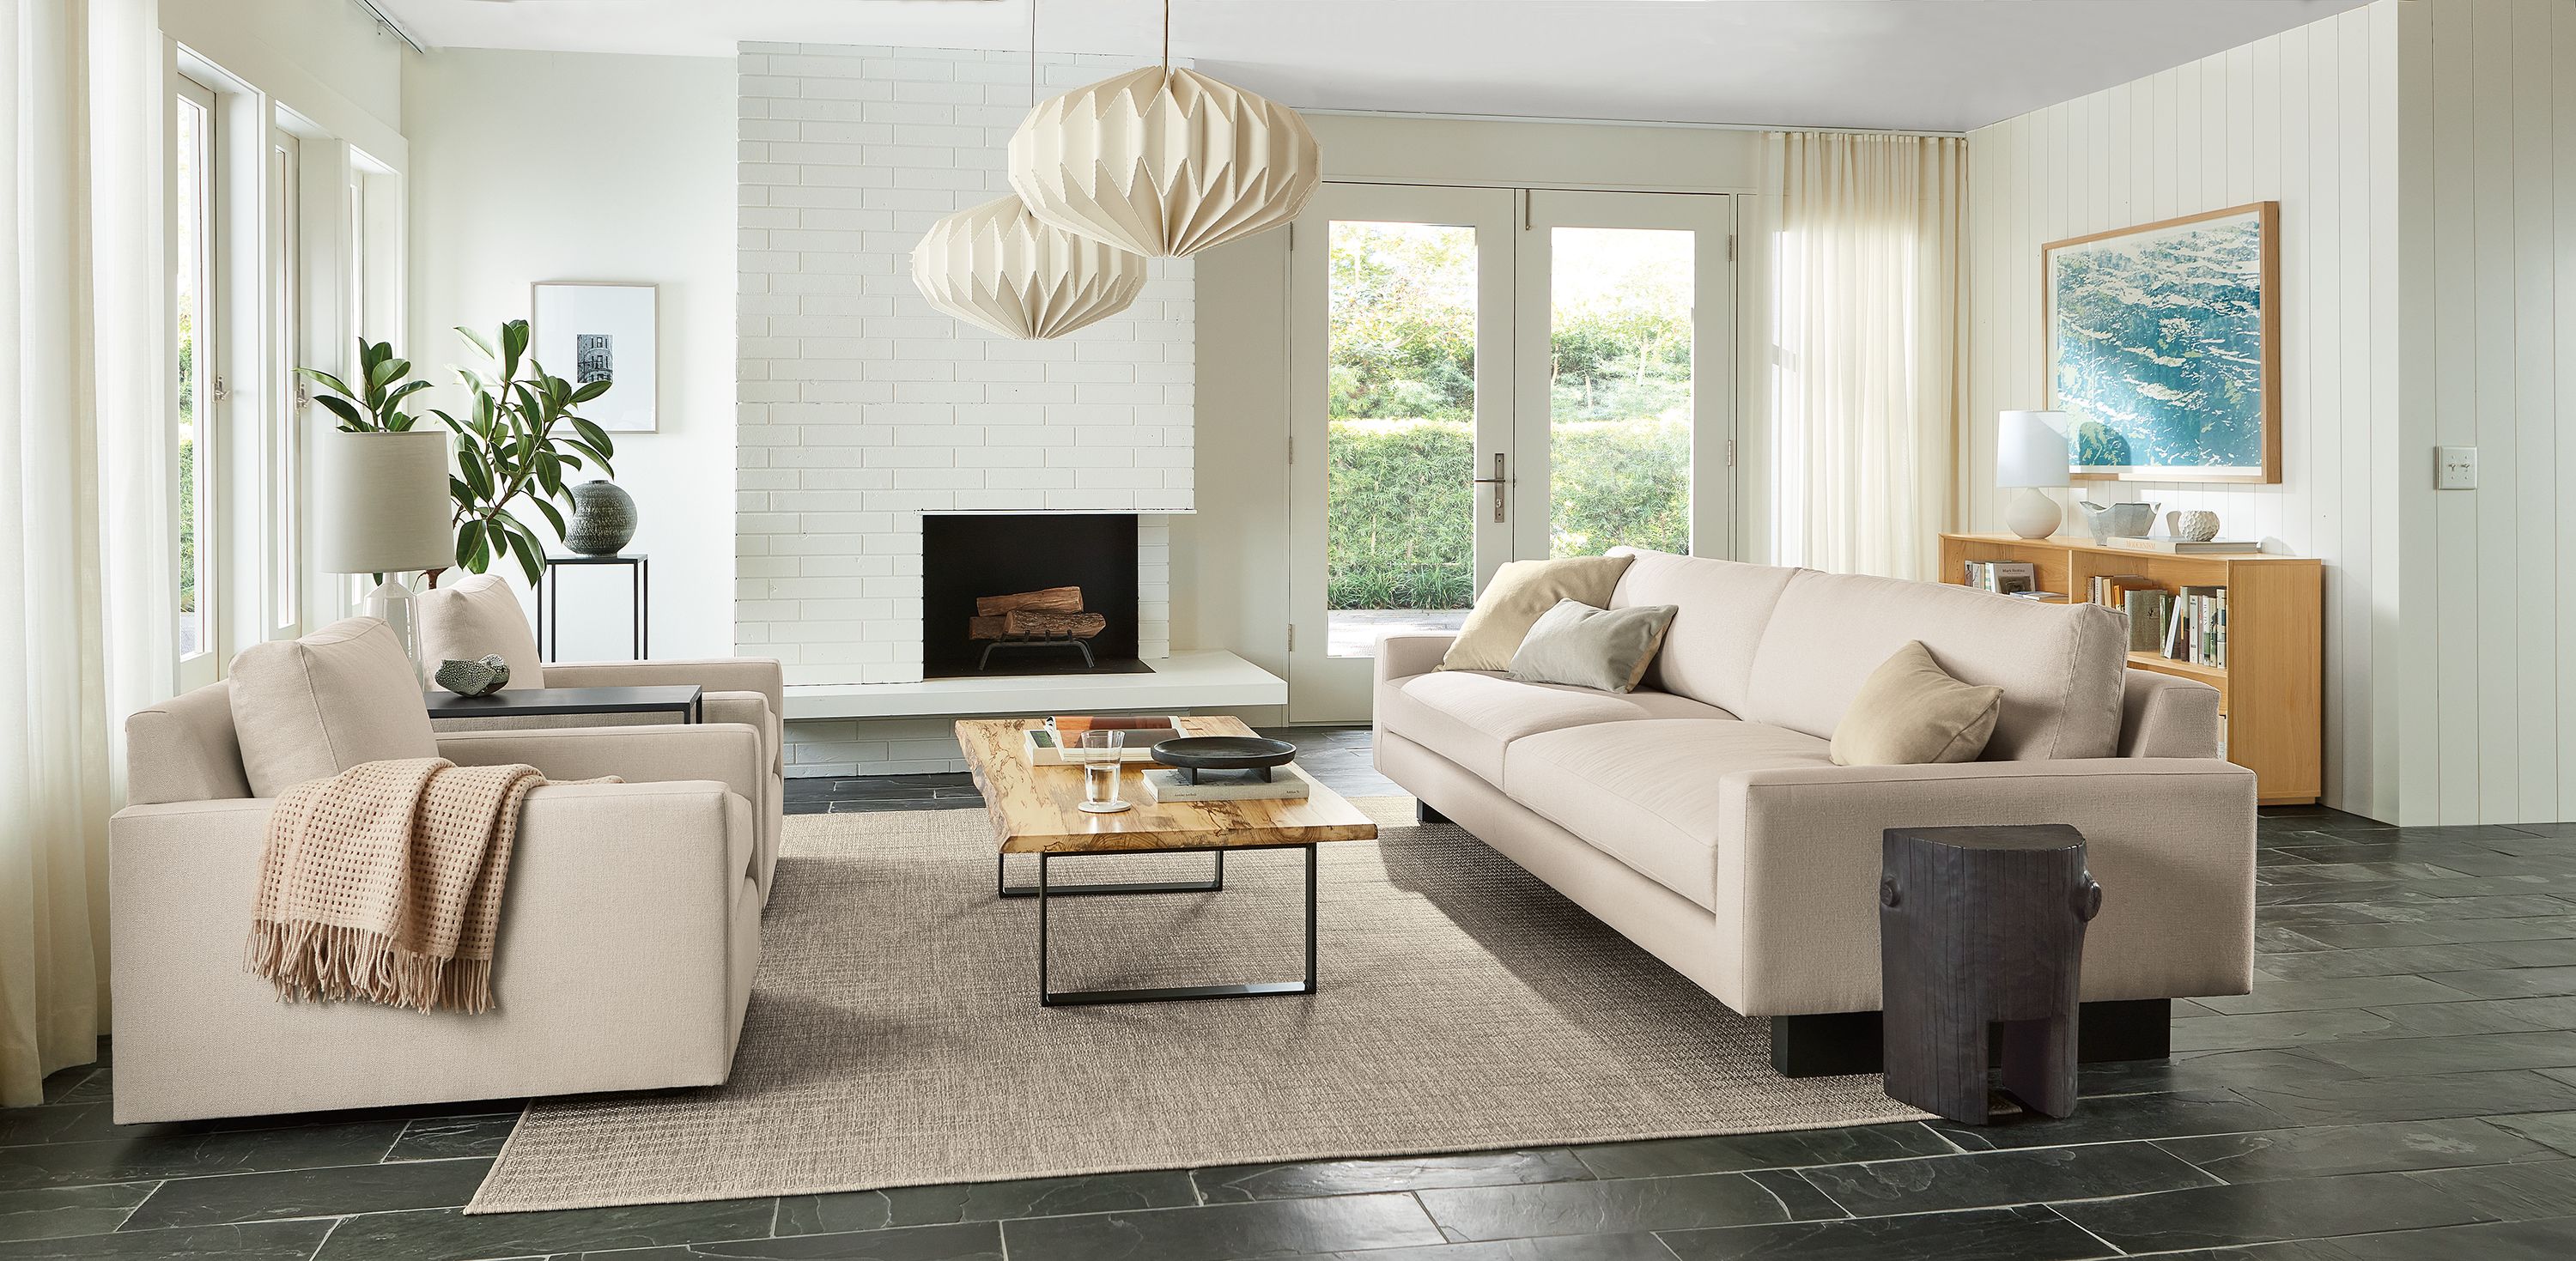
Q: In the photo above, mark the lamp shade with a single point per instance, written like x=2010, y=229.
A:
x=997, y=266
x=1164, y=162
x=380, y=503
x=2030, y=449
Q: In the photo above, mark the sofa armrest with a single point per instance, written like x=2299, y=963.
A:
x=2165, y=716
x=2171, y=839
x=727, y=753
x=727, y=674
x=1402, y=655
x=613, y=969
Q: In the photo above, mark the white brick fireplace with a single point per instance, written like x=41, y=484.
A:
x=861, y=408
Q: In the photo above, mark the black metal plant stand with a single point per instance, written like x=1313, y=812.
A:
x=549, y=599
x=1046, y=889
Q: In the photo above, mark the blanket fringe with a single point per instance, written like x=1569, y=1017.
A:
x=311, y=962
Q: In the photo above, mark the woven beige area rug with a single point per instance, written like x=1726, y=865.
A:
x=895, y=1036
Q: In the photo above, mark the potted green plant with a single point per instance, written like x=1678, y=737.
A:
x=515, y=442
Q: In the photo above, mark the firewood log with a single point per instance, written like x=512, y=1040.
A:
x=1052, y=600
x=1020, y=623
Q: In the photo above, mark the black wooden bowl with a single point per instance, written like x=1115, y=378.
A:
x=1193, y=754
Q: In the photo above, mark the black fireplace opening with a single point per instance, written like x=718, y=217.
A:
x=967, y=558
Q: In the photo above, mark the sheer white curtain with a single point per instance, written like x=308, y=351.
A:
x=1864, y=384
x=87, y=589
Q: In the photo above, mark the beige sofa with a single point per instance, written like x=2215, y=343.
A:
x=629, y=931
x=1702, y=817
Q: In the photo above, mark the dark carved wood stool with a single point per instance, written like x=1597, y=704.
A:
x=1980, y=927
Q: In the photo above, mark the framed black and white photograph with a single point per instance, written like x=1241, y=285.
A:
x=602, y=332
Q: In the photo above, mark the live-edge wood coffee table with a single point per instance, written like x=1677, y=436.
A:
x=1035, y=810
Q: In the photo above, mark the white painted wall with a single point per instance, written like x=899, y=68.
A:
x=581, y=166
x=324, y=59
x=2424, y=156
x=2306, y=118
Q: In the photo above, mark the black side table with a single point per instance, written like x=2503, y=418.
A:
x=689, y=702
x=1981, y=926
x=549, y=599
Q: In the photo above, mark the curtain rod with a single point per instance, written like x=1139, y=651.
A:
x=387, y=21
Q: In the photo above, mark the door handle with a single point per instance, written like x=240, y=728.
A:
x=1497, y=481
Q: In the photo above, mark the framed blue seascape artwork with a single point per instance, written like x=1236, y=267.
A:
x=2164, y=348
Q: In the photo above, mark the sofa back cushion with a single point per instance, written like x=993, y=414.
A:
x=475, y=617
x=2060, y=665
x=1708, y=654
x=308, y=708
x=183, y=750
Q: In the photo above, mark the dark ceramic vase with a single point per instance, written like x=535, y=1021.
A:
x=603, y=519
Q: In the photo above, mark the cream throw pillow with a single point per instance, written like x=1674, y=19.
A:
x=469, y=619
x=1911, y=712
x=1520, y=593
x=308, y=708
x=1603, y=649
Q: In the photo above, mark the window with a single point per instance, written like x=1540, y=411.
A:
x=284, y=527
x=201, y=387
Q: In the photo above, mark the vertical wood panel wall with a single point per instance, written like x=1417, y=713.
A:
x=2424, y=155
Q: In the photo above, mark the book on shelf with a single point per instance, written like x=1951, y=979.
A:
x=2147, y=608
x=1044, y=746
x=2039, y=597
x=2190, y=547
x=2003, y=577
x=2196, y=628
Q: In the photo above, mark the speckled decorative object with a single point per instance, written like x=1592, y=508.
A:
x=2192, y=526
x=603, y=519
x=474, y=678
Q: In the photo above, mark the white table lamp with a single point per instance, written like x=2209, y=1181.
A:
x=382, y=508
x=2031, y=456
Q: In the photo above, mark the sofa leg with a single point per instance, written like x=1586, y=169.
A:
x=1841, y=1043
x=1425, y=815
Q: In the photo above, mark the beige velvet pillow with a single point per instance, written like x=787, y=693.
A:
x=470, y=619
x=1911, y=712
x=1521, y=592
x=1603, y=649
x=308, y=708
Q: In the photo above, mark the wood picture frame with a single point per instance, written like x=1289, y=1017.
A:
x=2107, y=450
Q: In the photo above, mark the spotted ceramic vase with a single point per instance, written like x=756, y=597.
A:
x=603, y=519
x=2194, y=526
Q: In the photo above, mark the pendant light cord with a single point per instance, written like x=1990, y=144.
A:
x=1033, y=54
x=1167, y=38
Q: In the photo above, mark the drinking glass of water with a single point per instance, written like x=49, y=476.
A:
x=1100, y=754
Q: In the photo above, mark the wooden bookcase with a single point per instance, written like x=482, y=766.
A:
x=2271, y=694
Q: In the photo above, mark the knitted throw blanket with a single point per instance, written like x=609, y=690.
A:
x=383, y=883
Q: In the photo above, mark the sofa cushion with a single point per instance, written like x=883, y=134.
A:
x=1521, y=591
x=308, y=708
x=1708, y=653
x=1469, y=717
x=1912, y=713
x=1646, y=793
x=2061, y=666
x=1605, y=649
x=474, y=617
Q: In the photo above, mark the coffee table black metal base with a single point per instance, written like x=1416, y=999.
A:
x=1046, y=889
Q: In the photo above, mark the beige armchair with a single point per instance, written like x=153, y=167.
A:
x=478, y=614
x=629, y=932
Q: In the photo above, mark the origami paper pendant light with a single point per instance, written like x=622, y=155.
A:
x=1164, y=162
x=997, y=266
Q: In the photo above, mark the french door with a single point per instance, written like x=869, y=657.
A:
x=1482, y=375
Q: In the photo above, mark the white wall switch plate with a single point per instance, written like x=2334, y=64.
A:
x=2455, y=468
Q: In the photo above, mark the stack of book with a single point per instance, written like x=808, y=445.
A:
x=2196, y=630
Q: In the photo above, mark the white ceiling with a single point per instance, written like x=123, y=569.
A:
x=1932, y=65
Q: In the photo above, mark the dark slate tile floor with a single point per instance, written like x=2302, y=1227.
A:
x=2401, y=1086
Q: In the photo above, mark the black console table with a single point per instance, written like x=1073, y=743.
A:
x=640, y=575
